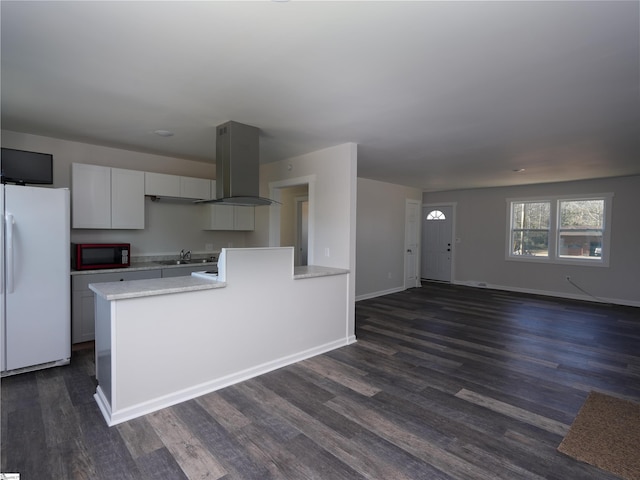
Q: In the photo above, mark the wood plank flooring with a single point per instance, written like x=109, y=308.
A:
x=445, y=382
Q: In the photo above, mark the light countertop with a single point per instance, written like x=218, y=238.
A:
x=311, y=271
x=153, y=286
x=164, y=286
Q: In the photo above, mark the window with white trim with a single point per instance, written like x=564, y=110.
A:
x=573, y=230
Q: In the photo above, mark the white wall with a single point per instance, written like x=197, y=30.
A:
x=332, y=177
x=332, y=206
x=380, y=239
x=169, y=227
x=481, y=226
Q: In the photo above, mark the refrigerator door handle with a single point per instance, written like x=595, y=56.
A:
x=9, y=259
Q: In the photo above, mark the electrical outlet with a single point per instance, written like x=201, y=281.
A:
x=389, y=275
x=326, y=252
x=208, y=247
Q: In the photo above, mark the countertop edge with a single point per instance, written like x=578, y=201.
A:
x=314, y=271
x=152, y=287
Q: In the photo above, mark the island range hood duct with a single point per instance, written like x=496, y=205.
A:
x=238, y=166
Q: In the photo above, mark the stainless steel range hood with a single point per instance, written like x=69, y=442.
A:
x=238, y=166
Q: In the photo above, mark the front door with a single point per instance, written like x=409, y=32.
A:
x=437, y=235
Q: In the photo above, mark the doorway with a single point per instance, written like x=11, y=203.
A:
x=302, y=231
x=294, y=221
x=437, y=241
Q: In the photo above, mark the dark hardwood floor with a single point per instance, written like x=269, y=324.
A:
x=444, y=382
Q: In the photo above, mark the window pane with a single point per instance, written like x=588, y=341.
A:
x=580, y=228
x=582, y=214
x=580, y=244
x=530, y=228
x=436, y=215
x=530, y=242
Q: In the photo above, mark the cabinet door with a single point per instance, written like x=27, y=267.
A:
x=198, y=188
x=82, y=317
x=127, y=199
x=244, y=218
x=161, y=184
x=90, y=196
x=220, y=217
x=83, y=299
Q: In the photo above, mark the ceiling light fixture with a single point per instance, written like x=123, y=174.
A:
x=163, y=133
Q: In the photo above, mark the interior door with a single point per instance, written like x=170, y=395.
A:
x=437, y=236
x=412, y=248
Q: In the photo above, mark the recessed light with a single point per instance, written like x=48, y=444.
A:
x=163, y=133
x=518, y=170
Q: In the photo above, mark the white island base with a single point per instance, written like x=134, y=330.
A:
x=163, y=341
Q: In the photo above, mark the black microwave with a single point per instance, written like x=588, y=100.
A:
x=90, y=256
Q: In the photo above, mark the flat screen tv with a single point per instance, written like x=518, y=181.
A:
x=22, y=167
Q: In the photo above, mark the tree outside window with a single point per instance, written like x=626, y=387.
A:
x=530, y=228
x=560, y=230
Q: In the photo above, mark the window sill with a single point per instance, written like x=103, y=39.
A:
x=582, y=262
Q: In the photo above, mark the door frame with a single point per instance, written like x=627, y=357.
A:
x=418, y=241
x=299, y=201
x=274, y=211
x=454, y=239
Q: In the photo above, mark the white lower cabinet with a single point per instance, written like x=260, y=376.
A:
x=230, y=217
x=83, y=300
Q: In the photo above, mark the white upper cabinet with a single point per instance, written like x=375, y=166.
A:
x=127, y=199
x=219, y=217
x=163, y=185
x=229, y=217
x=199, y=188
x=244, y=218
x=103, y=197
x=90, y=196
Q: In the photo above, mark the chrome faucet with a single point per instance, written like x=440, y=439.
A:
x=185, y=255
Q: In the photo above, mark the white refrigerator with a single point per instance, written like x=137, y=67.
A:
x=35, y=287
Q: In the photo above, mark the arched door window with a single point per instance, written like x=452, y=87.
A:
x=436, y=215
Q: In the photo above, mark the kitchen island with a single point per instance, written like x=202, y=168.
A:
x=163, y=341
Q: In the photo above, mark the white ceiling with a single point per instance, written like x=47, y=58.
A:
x=438, y=95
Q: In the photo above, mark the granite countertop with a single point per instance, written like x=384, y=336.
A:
x=164, y=286
x=312, y=271
x=154, y=286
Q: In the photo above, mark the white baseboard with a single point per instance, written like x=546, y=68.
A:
x=379, y=294
x=549, y=293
